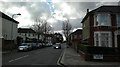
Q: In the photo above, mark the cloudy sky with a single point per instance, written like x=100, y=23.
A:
x=55, y=11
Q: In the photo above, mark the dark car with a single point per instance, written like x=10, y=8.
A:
x=34, y=46
x=57, y=46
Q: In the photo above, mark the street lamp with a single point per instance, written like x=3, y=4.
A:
x=15, y=14
x=12, y=27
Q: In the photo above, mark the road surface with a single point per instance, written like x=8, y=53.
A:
x=43, y=56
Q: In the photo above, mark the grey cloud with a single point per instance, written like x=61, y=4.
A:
x=42, y=7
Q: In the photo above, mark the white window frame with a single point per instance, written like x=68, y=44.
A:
x=99, y=38
x=117, y=20
x=99, y=24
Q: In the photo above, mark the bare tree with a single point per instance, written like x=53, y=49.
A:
x=66, y=28
x=41, y=27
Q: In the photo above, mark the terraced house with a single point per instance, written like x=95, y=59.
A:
x=101, y=33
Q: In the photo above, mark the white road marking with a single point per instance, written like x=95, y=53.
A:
x=18, y=58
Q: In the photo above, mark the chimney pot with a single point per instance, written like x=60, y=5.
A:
x=87, y=10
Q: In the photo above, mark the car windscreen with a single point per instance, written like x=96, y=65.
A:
x=23, y=44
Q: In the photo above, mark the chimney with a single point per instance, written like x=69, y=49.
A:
x=87, y=10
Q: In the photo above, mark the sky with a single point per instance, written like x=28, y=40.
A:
x=54, y=11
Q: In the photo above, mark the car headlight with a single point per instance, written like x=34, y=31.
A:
x=56, y=47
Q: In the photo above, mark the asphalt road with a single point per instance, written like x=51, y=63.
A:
x=43, y=56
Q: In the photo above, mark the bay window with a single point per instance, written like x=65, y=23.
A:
x=103, y=39
x=118, y=20
x=102, y=19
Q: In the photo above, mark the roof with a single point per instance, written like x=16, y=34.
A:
x=48, y=35
x=78, y=31
x=111, y=9
x=25, y=30
x=7, y=17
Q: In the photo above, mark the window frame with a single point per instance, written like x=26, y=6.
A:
x=99, y=23
x=100, y=39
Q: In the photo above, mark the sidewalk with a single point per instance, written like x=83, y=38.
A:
x=9, y=51
x=71, y=57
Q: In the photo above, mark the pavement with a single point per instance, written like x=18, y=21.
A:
x=71, y=58
x=9, y=51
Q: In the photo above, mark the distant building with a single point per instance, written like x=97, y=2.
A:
x=75, y=39
x=8, y=31
x=49, y=38
x=101, y=34
x=26, y=34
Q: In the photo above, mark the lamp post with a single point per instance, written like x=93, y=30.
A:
x=15, y=14
x=12, y=27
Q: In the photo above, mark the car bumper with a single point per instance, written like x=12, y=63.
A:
x=22, y=49
x=57, y=47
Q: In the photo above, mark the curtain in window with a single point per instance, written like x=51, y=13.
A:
x=103, y=19
x=104, y=39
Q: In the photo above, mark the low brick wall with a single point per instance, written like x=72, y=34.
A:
x=106, y=58
x=109, y=54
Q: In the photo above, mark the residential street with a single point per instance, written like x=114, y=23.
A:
x=43, y=56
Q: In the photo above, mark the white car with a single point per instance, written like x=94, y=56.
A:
x=24, y=47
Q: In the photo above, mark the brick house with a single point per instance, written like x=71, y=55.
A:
x=101, y=33
x=75, y=39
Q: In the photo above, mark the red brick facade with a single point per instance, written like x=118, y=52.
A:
x=112, y=28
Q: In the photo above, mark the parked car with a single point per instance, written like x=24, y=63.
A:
x=34, y=46
x=57, y=46
x=43, y=44
x=49, y=44
x=39, y=45
x=25, y=47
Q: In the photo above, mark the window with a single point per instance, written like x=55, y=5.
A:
x=25, y=34
x=103, y=39
x=84, y=25
x=33, y=34
x=102, y=20
x=28, y=34
x=118, y=20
